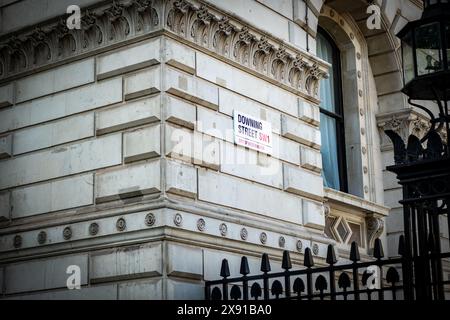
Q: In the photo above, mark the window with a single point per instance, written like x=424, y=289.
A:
x=331, y=116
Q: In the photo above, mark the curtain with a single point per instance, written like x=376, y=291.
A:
x=329, y=150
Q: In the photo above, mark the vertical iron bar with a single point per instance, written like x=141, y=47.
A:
x=309, y=283
x=437, y=256
x=287, y=284
x=245, y=287
x=406, y=257
x=355, y=281
x=332, y=283
x=207, y=292
x=266, y=286
x=225, y=289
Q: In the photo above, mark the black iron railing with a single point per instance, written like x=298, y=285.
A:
x=353, y=281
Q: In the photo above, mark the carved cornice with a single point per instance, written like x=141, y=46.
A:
x=197, y=23
x=267, y=56
x=100, y=27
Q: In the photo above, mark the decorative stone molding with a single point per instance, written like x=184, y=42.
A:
x=178, y=220
x=42, y=237
x=150, y=219
x=223, y=229
x=218, y=33
x=67, y=233
x=121, y=224
x=201, y=224
x=122, y=20
x=100, y=27
x=375, y=227
x=93, y=228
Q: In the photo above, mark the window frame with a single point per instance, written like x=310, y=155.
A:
x=338, y=115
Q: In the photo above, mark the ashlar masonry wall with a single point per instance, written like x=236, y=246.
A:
x=123, y=163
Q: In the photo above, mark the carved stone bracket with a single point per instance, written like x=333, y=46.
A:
x=404, y=123
x=375, y=227
x=121, y=20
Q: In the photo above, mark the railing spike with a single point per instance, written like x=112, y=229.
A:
x=331, y=255
x=286, y=263
x=225, y=269
x=309, y=261
x=354, y=252
x=265, y=263
x=245, y=270
x=378, y=251
x=401, y=246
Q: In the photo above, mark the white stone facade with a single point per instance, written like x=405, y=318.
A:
x=117, y=151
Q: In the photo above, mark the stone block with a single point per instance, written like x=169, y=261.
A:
x=43, y=274
x=143, y=143
x=188, y=146
x=53, y=196
x=302, y=182
x=61, y=105
x=309, y=113
x=297, y=35
x=285, y=149
x=389, y=83
x=131, y=114
x=239, y=194
x=76, y=158
x=143, y=83
x=7, y=95
x=129, y=181
x=183, y=290
x=313, y=214
x=54, y=133
x=181, y=179
x=179, y=112
x=58, y=79
x=298, y=131
x=215, y=124
x=310, y=159
x=179, y=56
x=184, y=261
x=5, y=206
x=246, y=84
x=283, y=7
x=299, y=12
x=230, y=101
x=191, y=88
x=258, y=15
x=130, y=58
x=250, y=165
x=126, y=263
x=6, y=146
x=141, y=290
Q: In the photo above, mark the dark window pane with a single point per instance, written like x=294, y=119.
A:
x=428, y=49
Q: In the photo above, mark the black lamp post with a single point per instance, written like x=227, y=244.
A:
x=424, y=172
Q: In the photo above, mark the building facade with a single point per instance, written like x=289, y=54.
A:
x=118, y=159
